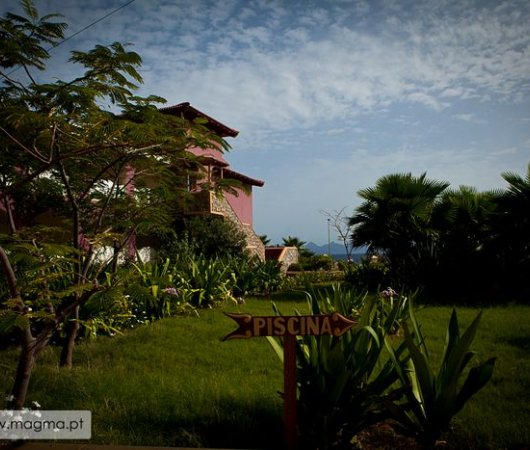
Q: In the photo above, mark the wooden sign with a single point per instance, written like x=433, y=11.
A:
x=255, y=326
x=289, y=327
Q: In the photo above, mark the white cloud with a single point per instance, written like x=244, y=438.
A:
x=305, y=65
x=344, y=72
x=334, y=94
x=469, y=118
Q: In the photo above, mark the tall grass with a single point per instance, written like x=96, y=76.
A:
x=174, y=383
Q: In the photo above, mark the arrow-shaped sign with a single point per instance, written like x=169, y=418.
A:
x=253, y=326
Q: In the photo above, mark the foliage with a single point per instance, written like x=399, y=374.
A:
x=394, y=215
x=343, y=383
x=316, y=262
x=93, y=169
x=245, y=276
x=46, y=273
x=434, y=398
x=214, y=237
x=308, y=279
x=153, y=293
x=509, y=244
x=202, y=282
x=264, y=239
x=427, y=233
x=270, y=277
x=293, y=241
x=253, y=276
x=370, y=274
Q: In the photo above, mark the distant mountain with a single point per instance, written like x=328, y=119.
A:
x=335, y=247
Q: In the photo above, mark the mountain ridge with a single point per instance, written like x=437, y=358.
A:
x=335, y=247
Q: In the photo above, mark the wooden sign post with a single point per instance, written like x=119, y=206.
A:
x=289, y=327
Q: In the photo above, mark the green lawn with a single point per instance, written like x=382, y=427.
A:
x=175, y=383
x=499, y=415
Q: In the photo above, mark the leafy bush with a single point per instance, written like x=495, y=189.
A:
x=348, y=383
x=214, y=237
x=107, y=312
x=245, y=276
x=203, y=282
x=316, y=262
x=432, y=399
x=369, y=274
x=307, y=279
x=343, y=384
x=270, y=277
x=154, y=292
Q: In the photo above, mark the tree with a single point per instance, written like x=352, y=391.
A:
x=510, y=235
x=395, y=219
x=462, y=220
x=215, y=237
x=111, y=175
x=341, y=225
x=293, y=241
x=264, y=239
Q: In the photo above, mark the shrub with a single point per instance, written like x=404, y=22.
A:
x=343, y=383
x=269, y=277
x=317, y=262
x=202, y=282
x=214, y=237
x=368, y=375
x=370, y=274
x=433, y=398
x=307, y=279
x=154, y=293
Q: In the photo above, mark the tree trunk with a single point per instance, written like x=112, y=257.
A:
x=72, y=327
x=11, y=219
x=31, y=347
x=26, y=361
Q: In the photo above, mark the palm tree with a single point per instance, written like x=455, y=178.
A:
x=510, y=242
x=264, y=239
x=293, y=241
x=462, y=219
x=395, y=219
x=395, y=213
x=515, y=213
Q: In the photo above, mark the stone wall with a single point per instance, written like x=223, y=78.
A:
x=290, y=255
x=284, y=255
x=219, y=205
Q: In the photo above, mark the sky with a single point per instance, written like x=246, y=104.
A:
x=330, y=95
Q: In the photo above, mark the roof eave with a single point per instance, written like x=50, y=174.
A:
x=186, y=109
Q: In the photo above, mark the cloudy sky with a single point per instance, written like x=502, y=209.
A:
x=330, y=95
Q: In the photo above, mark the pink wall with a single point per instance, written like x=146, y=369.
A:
x=213, y=152
x=242, y=205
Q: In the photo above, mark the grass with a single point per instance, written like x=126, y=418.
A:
x=499, y=415
x=174, y=383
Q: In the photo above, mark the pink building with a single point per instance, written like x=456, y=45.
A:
x=234, y=205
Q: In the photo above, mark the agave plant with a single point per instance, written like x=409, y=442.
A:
x=154, y=293
x=433, y=398
x=204, y=282
x=245, y=276
x=343, y=383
